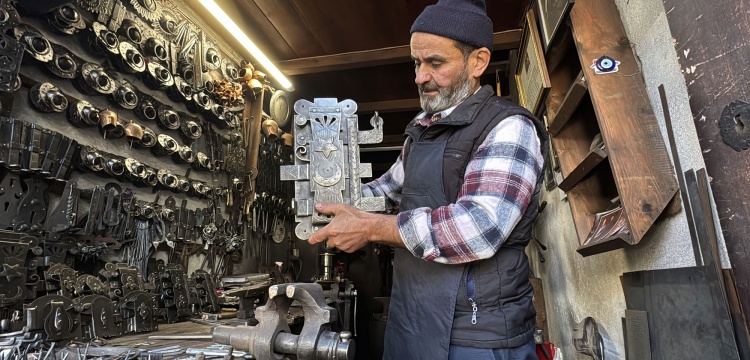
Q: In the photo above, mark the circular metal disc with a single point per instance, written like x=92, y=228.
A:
x=279, y=108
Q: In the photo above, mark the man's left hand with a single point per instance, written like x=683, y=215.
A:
x=351, y=228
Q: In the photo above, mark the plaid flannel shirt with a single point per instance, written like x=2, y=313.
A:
x=498, y=186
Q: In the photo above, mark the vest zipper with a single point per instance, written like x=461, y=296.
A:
x=470, y=293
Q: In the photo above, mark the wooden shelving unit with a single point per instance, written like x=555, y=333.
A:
x=632, y=165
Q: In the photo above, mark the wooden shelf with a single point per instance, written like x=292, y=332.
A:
x=615, y=242
x=592, y=159
x=560, y=115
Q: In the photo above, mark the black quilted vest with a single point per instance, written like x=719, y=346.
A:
x=430, y=301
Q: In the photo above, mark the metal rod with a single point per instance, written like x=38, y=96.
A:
x=180, y=337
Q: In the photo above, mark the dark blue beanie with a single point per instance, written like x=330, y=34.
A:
x=462, y=20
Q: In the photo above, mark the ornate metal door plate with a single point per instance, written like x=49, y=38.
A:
x=326, y=166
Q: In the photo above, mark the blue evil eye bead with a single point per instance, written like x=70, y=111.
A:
x=606, y=64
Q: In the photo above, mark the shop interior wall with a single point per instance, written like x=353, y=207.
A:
x=577, y=287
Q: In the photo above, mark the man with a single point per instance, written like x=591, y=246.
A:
x=467, y=185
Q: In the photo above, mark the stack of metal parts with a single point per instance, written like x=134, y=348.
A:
x=28, y=148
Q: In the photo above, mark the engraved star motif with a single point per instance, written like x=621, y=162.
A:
x=326, y=149
x=11, y=271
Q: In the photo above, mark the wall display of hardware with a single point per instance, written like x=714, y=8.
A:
x=123, y=139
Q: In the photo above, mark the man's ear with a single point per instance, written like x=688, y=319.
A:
x=480, y=59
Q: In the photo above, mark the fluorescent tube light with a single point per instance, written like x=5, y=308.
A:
x=245, y=41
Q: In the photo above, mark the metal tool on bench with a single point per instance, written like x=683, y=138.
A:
x=272, y=339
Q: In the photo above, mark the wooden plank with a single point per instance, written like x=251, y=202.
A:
x=591, y=196
x=560, y=115
x=710, y=43
x=290, y=25
x=376, y=57
x=594, y=157
x=389, y=106
x=573, y=142
x=641, y=166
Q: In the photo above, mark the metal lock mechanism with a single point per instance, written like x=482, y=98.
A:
x=157, y=76
x=148, y=139
x=202, y=162
x=146, y=110
x=48, y=98
x=103, y=41
x=130, y=60
x=184, y=155
x=83, y=114
x=327, y=167
x=130, y=30
x=190, y=129
x=125, y=96
x=168, y=119
x=156, y=49
x=201, y=102
x=36, y=44
x=62, y=64
x=66, y=20
x=165, y=145
x=134, y=170
x=180, y=91
x=94, y=80
x=115, y=166
x=167, y=179
x=91, y=159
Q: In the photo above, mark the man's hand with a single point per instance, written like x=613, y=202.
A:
x=351, y=228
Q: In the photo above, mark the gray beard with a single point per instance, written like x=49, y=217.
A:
x=447, y=97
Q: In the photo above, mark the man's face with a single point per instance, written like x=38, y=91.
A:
x=442, y=74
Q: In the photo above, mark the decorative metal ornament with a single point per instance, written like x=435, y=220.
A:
x=327, y=167
x=103, y=41
x=8, y=15
x=203, y=162
x=133, y=132
x=201, y=102
x=48, y=98
x=180, y=91
x=148, y=139
x=212, y=59
x=168, y=119
x=66, y=19
x=157, y=76
x=146, y=110
x=150, y=10
x=94, y=80
x=184, y=155
x=115, y=166
x=36, y=44
x=131, y=60
x=165, y=145
x=63, y=63
x=168, y=22
x=125, y=96
x=230, y=70
x=94, y=6
x=92, y=159
x=11, y=55
x=156, y=49
x=191, y=129
x=131, y=31
x=83, y=114
x=107, y=120
x=134, y=170
x=279, y=107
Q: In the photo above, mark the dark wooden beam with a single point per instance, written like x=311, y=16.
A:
x=504, y=40
x=389, y=106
